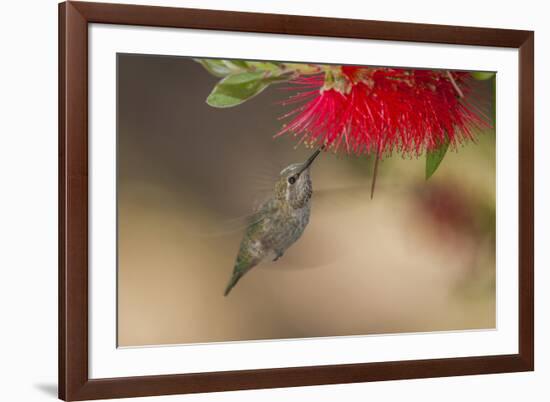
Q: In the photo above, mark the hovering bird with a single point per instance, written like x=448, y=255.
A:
x=279, y=222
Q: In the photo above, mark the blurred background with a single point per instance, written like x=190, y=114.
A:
x=418, y=257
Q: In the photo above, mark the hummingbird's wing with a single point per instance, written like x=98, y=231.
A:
x=257, y=190
x=337, y=196
x=229, y=226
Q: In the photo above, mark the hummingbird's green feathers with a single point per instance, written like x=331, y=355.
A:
x=243, y=264
x=250, y=251
x=247, y=258
x=232, y=282
x=279, y=222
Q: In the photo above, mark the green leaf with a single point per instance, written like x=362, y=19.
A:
x=237, y=65
x=275, y=68
x=434, y=158
x=215, y=67
x=237, y=88
x=242, y=80
x=303, y=69
x=482, y=75
x=222, y=68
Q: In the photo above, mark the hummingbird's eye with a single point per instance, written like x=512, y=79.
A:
x=292, y=179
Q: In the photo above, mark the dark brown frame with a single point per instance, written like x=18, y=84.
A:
x=74, y=383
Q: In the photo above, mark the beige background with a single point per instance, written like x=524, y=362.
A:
x=419, y=257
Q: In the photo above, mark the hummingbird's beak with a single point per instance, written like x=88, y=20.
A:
x=311, y=159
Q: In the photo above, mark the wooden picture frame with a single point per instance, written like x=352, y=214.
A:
x=74, y=381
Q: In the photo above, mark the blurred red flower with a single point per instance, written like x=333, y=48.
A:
x=363, y=109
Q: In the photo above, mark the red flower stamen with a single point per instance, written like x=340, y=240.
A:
x=383, y=110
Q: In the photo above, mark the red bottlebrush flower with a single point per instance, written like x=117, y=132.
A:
x=384, y=110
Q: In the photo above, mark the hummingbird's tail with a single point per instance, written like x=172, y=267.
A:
x=234, y=279
x=245, y=261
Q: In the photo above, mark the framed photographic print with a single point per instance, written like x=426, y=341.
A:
x=258, y=201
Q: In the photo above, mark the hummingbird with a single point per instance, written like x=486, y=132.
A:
x=279, y=222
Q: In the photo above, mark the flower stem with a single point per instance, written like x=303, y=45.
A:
x=302, y=69
x=374, y=173
x=455, y=85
